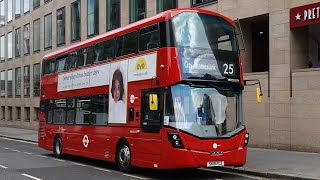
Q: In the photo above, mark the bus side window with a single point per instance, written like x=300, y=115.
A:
x=99, y=109
x=127, y=44
x=83, y=110
x=87, y=55
x=52, y=66
x=59, y=112
x=50, y=108
x=149, y=37
x=61, y=64
x=80, y=60
x=104, y=51
x=71, y=111
x=72, y=60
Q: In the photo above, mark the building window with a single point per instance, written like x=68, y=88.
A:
x=36, y=4
x=10, y=112
x=18, y=10
x=2, y=54
x=3, y=112
x=93, y=17
x=36, y=35
x=27, y=113
x=48, y=31
x=26, y=39
x=137, y=10
x=2, y=13
x=61, y=15
x=46, y=1
x=18, y=81
x=10, y=15
x=10, y=45
x=26, y=6
x=36, y=111
x=3, y=83
x=195, y=3
x=163, y=5
x=26, y=84
x=17, y=42
x=36, y=79
x=75, y=20
x=113, y=14
x=18, y=113
x=9, y=90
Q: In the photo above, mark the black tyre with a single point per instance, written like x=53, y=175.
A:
x=124, y=157
x=57, y=147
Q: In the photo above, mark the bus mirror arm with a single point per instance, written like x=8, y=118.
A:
x=252, y=82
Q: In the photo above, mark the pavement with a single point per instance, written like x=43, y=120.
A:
x=261, y=162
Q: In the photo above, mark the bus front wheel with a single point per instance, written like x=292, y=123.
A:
x=57, y=148
x=124, y=156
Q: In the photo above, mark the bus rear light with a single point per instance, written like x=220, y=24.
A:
x=175, y=140
x=246, y=139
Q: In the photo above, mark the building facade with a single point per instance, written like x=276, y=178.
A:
x=281, y=42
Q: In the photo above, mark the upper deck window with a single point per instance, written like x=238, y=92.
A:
x=149, y=37
x=195, y=30
x=127, y=44
x=104, y=50
x=49, y=66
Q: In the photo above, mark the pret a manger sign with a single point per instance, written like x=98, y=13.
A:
x=305, y=15
x=139, y=68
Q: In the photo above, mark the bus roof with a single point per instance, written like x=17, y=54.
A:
x=130, y=27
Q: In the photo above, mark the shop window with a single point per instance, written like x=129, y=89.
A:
x=48, y=31
x=18, y=109
x=76, y=20
x=27, y=113
x=163, y=5
x=93, y=17
x=113, y=14
x=137, y=10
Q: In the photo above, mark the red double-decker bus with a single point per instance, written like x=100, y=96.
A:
x=164, y=92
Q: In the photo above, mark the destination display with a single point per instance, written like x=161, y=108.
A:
x=209, y=64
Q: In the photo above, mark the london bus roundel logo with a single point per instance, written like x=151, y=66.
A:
x=85, y=141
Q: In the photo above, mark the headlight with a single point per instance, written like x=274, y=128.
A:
x=175, y=140
x=246, y=139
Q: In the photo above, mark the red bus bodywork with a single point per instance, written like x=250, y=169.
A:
x=150, y=150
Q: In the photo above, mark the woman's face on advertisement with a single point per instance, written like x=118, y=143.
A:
x=116, y=90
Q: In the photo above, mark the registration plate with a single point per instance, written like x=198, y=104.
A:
x=215, y=163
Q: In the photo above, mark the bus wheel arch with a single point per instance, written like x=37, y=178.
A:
x=57, y=146
x=123, y=155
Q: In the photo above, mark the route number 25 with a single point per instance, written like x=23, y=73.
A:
x=228, y=68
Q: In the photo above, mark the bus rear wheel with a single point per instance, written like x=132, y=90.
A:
x=57, y=147
x=124, y=157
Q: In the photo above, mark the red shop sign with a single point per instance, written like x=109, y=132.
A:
x=305, y=15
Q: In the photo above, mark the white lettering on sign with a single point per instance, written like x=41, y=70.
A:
x=84, y=78
x=311, y=14
x=197, y=66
